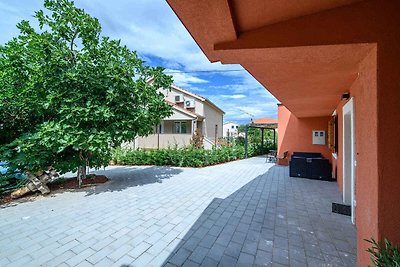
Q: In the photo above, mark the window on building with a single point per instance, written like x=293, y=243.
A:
x=233, y=127
x=237, y=127
x=180, y=127
x=159, y=129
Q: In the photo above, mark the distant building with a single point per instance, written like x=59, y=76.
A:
x=231, y=129
x=191, y=112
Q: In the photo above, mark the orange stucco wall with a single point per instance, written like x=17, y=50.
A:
x=295, y=134
x=388, y=97
x=376, y=93
x=364, y=93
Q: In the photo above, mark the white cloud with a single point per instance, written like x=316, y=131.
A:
x=153, y=30
x=258, y=102
x=184, y=79
x=234, y=96
x=151, y=27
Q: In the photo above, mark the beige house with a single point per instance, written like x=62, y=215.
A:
x=190, y=112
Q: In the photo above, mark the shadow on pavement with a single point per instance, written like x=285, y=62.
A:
x=272, y=220
x=121, y=178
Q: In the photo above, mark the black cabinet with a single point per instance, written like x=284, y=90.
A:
x=298, y=167
x=310, y=165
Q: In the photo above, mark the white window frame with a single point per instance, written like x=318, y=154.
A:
x=180, y=127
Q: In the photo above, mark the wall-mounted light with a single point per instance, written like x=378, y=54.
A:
x=345, y=96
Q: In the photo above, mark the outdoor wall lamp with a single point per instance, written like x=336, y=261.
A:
x=345, y=96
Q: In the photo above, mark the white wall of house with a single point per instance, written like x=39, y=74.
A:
x=164, y=140
x=230, y=129
x=170, y=96
x=177, y=115
x=199, y=107
x=212, y=119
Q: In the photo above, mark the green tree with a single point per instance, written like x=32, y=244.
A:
x=68, y=94
x=254, y=136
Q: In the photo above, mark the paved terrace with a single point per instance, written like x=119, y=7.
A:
x=241, y=213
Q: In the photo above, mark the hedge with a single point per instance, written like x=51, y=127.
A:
x=183, y=157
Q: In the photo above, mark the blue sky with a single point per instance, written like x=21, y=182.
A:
x=152, y=29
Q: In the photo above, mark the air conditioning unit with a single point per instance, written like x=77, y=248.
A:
x=189, y=103
x=179, y=98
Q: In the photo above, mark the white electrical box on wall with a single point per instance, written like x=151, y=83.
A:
x=318, y=137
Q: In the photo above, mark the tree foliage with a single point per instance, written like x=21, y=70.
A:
x=67, y=94
x=254, y=136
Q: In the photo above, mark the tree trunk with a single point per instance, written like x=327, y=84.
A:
x=81, y=174
x=20, y=192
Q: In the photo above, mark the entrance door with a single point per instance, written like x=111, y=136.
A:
x=348, y=157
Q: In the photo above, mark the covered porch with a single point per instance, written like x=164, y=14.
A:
x=174, y=131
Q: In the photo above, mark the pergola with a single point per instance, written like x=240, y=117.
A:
x=262, y=123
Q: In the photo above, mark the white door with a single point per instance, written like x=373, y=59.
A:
x=349, y=162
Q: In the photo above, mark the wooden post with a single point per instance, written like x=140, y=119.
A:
x=274, y=140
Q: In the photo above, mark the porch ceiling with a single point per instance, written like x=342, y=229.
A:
x=254, y=14
x=274, y=41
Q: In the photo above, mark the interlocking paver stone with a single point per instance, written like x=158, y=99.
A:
x=75, y=260
x=180, y=257
x=100, y=255
x=143, y=260
x=216, y=252
x=23, y=261
x=139, y=250
x=120, y=252
x=126, y=260
x=233, y=250
x=105, y=262
x=199, y=254
x=227, y=261
x=263, y=258
x=208, y=262
x=246, y=212
x=55, y=261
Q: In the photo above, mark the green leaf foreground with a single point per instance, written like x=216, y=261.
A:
x=68, y=95
x=384, y=254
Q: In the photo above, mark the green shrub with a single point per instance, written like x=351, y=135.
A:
x=184, y=157
x=384, y=254
x=11, y=181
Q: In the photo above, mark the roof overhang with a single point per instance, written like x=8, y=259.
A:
x=198, y=97
x=263, y=125
x=305, y=53
x=178, y=110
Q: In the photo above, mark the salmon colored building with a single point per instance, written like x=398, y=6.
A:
x=326, y=59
